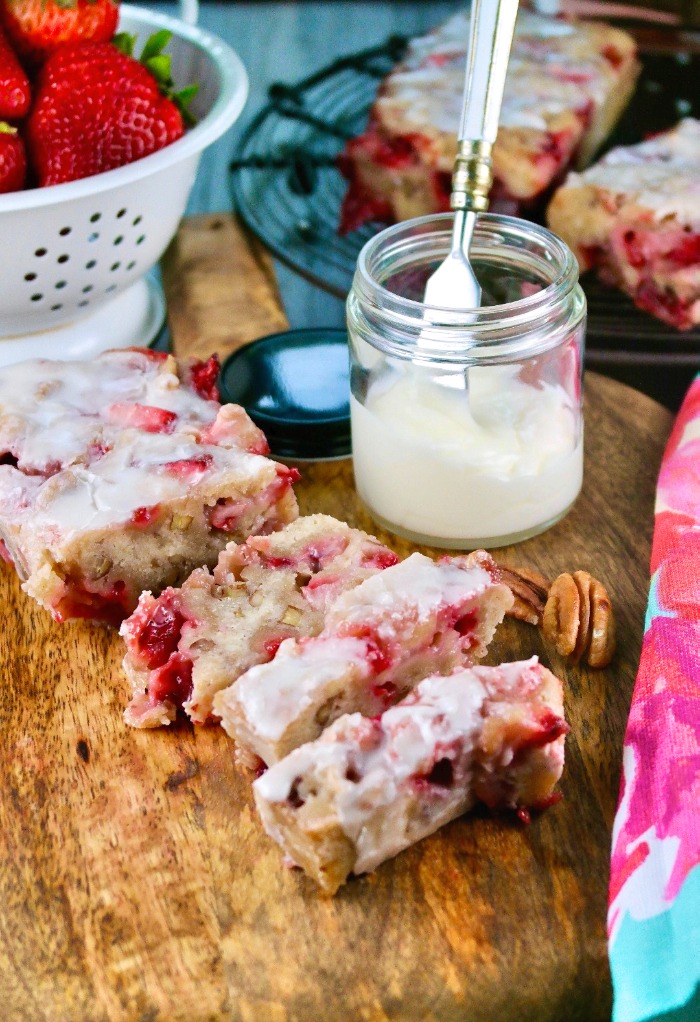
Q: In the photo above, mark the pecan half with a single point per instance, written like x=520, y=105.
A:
x=574, y=612
x=578, y=619
x=529, y=589
x=584, y=584
x=601, y=647
x=562, y=614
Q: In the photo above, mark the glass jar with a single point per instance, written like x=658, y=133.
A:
x=467, y=428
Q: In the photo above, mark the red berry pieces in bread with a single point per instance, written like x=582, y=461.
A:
x=371, y=786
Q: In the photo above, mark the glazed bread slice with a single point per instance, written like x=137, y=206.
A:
x=123, y=474
x=378, y=641
x=370, y=787
x=190, y=642
x=90, y=539
x=635, y=218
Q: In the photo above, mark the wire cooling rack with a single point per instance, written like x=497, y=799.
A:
x=286, y=185
x=288, y=190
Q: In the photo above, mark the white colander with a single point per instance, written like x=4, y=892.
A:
x=77, y=253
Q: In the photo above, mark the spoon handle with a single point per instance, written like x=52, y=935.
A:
x=490, y=36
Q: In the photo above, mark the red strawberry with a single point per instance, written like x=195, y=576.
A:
x=97, y=108
x=146, y=417
x=38, y=27
x=13, y=161
x=15, y=95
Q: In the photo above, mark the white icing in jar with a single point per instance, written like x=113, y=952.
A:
x=467, y=428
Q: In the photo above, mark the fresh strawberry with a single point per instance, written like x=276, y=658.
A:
x=15, y=94
x=13, y=160
x=97, y=108
x=39, y=27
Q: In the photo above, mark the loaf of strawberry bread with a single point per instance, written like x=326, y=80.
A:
x=568, y=82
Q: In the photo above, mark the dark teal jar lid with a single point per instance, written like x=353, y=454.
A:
x=296, y=387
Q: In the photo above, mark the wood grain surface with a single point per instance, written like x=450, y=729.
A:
x=137, y=884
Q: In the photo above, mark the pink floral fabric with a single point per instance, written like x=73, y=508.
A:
x=655, y=865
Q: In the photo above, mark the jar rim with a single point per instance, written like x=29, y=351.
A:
x=523, y=309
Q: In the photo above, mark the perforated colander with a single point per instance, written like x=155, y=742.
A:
x=68, y=250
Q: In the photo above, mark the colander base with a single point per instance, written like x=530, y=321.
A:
x=132, y=319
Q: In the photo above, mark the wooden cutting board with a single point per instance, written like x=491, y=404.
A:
x=137, y=884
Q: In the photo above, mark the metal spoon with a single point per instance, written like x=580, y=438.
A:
x=454, y=285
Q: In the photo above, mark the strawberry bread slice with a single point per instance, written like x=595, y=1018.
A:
x=370, y=787
x=90, y=539
x=189, y=643
x=635, y=217
x=379, y=639
x=124, y=474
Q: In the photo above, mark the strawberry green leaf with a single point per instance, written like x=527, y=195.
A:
x=159, y=65
x=7, y=129
x=155, y=44
x=125, y=43
x=187, y=94
x=182, y=99
x=160, y=68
